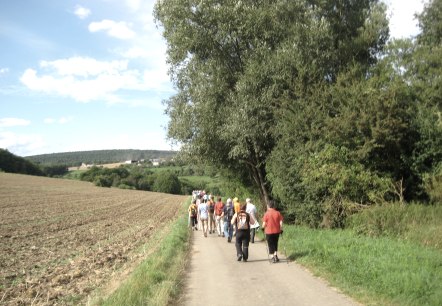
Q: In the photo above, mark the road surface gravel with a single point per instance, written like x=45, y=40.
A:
x=215, y=277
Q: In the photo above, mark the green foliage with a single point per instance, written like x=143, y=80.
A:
x=415, y=222
x=433, y=185
x=103, y=181
x=167, y=182
x=375, y=271
x=14, y=164
x=55, y=171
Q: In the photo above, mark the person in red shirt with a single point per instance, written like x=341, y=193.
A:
x=272, y=226
x=219, y=206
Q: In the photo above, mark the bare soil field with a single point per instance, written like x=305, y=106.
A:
x=61, y=239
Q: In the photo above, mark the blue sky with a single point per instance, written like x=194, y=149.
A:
x=92, y=74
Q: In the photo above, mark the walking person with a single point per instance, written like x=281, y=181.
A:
x=228, y=215
x=211, y=207
x=243, y=221
x=272, y=225
x=251, y=210
x=193, y=213
x=203, y=212
x=219, y=223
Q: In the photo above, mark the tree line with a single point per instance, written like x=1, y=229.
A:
x=308, y=101
x=98, y=157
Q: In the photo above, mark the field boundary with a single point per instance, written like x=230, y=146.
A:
x=157, y=279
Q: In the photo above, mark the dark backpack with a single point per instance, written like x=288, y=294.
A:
x=211, y=207
x=229, y=213
x=243, y=221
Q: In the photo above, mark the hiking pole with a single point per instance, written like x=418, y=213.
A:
x=267, y=247
x=285, y=250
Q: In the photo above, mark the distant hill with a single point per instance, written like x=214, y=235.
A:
x=98, y=157
x=15, y=164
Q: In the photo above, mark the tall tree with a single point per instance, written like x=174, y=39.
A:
x=241, y=66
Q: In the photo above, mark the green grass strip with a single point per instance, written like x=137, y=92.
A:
x=159, y=279
x=375, y=271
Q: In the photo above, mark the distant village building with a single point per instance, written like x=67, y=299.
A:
x=155, y=162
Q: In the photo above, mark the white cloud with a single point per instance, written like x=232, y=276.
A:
x=115, y=29
x=4, y=70
x=136, y=52
x=11, y=122
x=133, y=4
x=21, y=144
x=402, y=21
x=62, y=120
x=86, y=79
x=82, y=12
x=49, y=120
x=84, y=66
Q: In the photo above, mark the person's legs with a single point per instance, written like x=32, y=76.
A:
x=252, y=235
x=273, y=246
x=276, y=246
x=238, y=245
x=209, y=224
x=217, y=224
x=245, y=244
x=221, y=221
x=226, y=229
x=205, y=226
x=271, y=243
x=212, y=223
x=230, y=226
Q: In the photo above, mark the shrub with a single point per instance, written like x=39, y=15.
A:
x=167, y=182
x=103, y=181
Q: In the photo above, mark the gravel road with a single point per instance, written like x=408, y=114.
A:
x=215, y=277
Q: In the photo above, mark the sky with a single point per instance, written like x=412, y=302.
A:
x=91, y=74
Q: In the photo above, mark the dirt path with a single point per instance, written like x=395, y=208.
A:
x=216, y=278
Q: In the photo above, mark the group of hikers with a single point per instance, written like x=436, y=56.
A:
x=235, y=219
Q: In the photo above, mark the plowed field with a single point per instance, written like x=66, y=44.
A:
x=61, y=239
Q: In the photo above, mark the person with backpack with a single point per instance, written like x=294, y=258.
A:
x=243, y=222
x=211, y=207
x=219, y=207
x=193, y=215
x=272, y=225
x=228, y=215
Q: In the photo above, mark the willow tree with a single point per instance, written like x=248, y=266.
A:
x=241, y=66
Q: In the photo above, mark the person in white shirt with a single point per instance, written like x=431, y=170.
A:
x=203, y=211
x=251, y=210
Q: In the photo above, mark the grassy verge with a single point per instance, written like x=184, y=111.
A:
x=375, y=271
x=158, y=280
x=421, y=224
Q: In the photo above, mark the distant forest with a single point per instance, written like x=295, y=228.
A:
x=98, y=157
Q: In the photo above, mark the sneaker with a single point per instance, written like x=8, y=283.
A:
x=274, y=259
x=244, y=259
x=277, y=259
x=229, y=239
x=239, y=257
